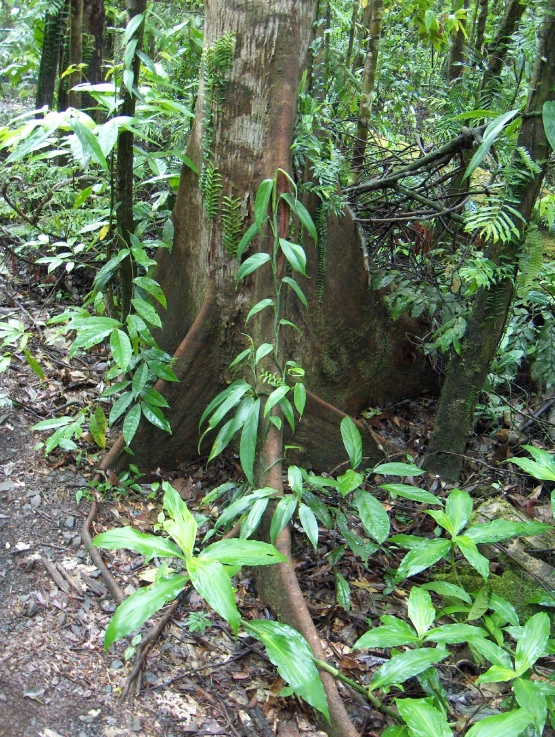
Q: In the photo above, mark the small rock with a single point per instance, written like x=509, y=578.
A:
x=107, y=689
x=61, y=619
x=150, y=677
x=136, y=726
x=76, y=542
x=108, y=606
x=116, y=665
x=30, y=609
x=6, y=486
x=35, y=500
x=129, y=589
x=70, y=522
x=89, y=717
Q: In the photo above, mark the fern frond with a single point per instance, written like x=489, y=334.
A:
x=530, y=259
x=543, y=367
x=321, y=223
x=211, y=184
x=231, y=223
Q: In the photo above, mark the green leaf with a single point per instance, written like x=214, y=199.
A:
x=36, y=368
x=530, y=697
x=275, y=397
x=394, y=634
x=262, y=351
x=156, y=417
x=352, y=441
x=262, y=199
x=396, y=730
x=373, y=516
x=182, y=526
x=87, y=339
x=128, y=538
x=258, y=307
x=490, y=134
x=398, y=469
x=294, y=254
x=162, y=370
x=296, y=288
x=349, y=481
x=510, y=724
x=153, y=397
x=492, y=652
x=140, y=378
x=121, y=349
x=89, y=142
x=533, y=642
x=497, y=674
x=447, y=589
x=147, y=312
x=421, y=558
x=140, y=606
x=421, y=610
x=502, y=529
x=252, y=520
x=291, y=654
x=282, y=514
x=131, y=423
x=252, y=263
x=239, y=505
x=480, y=605
x=97, y=426
x=245, y=241
x=458, y=508
x=152, y=287
x=411, y=492
x=212, y=582
x=219, y=398
x=304, y=216
x=452, y=634
x=342, y=592
x=299, y=398
x=233, y=396
x=132, y=27
x=247, y=445
x=406, y=665
x=54, y=422
x=242, y=553
x=442, y=519
x=295, y=479
x=548, y=117
x=468, y=548
x=504, y=609
x=547, y=598
x=120, y=405
x=309, y=524
x=423, y=719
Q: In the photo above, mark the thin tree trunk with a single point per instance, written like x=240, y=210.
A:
x=94, y=18
x=124, y=166
x=466, y=373
x=352, y=33
x=497, y=52
x=55, y=26
x=368, y=81
x=481, y=26
x=456, y=51
x=75, y=50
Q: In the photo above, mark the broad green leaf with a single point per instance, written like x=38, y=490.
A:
x=342, y=592
x=262, y=351
x=97, y=426
x=302, y=213
x=120, y=405
x=232, y=398
x=411, y=492
x=262, y=200
x=120, y=346
x=287, y=409
x=442, y=519
x=220, y=398
x=162, y=370
x=154, y=398
x=282, y=515
x=147, y=312
x=548, y=117
x=480, y=605
x=497, y=674
x=492, y=652
x=421, y=610
x=89, y=142
x=36, y=368
x=396, y=731
x=423, y=720
x=241, y=357
x=452, y=634
x=393, y=634
x=294, y=254
x=140, y=606
x=152, y=287
x=242, y=553
x=458, y=508
x=252, y=520
x=239, y=505
x=490, y=134
x=349, y=481
x=291, y=654
x=131, y=539
x=212, y=582
x=406, y=665
x=156, y=417
x=93, y=323
x=309, y=524
x=352, y=441
x=258, y=307
x=504, y=609
x=533, y=642
x=132, y=27
x=247, y=444
x=275, y=397
x=245, y=241
x=87, y=339
x=447, y=589
x=131, y=423
x=373, y=516
x=182, y=526
x=299, y=398
x=140, y=378
x=530, y=697
x=421, y=558
x=510, y=724
x=296, y=288
x=468, y=548
x=252, y=263
x=547, y=598
x=503, y=529
x=398, y=469
x=295, y=479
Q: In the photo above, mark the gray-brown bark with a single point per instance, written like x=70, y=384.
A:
x=466, y=373
x=75, y=56
x=497, y=52
x=456, y=51
x=93, y=26
x=55, y=26
x=481, y=25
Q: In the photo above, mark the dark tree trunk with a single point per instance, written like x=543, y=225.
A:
x=497, y=52
x=466, y=373
x=55, y=26
x=456, y=52
x=75, y=51
x=94, y=17
x=124, y=166
x=481, y=26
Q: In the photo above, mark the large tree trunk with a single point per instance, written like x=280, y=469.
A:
x=75, y=51
x=497, y=52
x=466, y=373
x=55, y=25
x=456, y=51
x=94, y=17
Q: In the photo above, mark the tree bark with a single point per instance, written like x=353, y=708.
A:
x=497, y=52
x=466, y=373
x=124, y=165
x=456, y=51
x=94, y=18
x=368, y=81
x=55, y=26
x=481, y=26
x=75, y=50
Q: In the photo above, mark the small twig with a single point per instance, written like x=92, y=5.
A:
x=60, y=582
